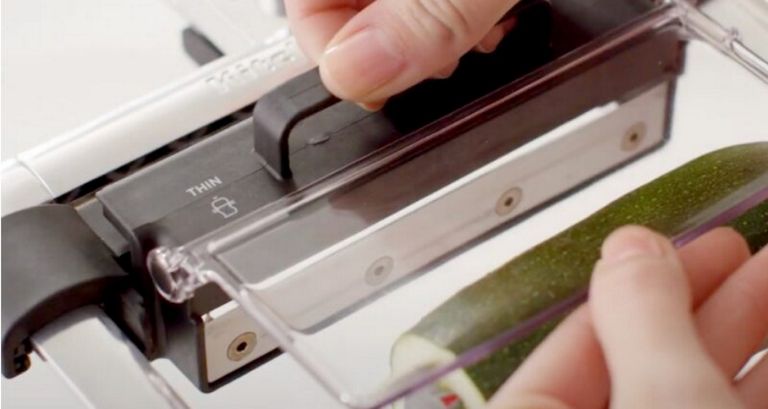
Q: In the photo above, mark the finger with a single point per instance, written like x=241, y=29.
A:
x=530, y=402
x=373, y=106
x=491, y=40
x=753, y=387
x=734, y=321
x=314, y=23
x=446, y=71
x=572, y=351
x=710, y=259
x=393, y=44
x=641, y=305
x=570, y=354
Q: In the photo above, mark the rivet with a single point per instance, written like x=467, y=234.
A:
x=241, y=346
x=379, y=270
x=634, y=136
x=509, y=201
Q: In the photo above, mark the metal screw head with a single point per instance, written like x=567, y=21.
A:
x=378, y=272
x=634, y=137
x=508, y=201
x=241, y=346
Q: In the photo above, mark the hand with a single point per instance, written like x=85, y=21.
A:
x=662, y=329
x=370, y=50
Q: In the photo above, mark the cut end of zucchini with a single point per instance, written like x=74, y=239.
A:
x=412, y=351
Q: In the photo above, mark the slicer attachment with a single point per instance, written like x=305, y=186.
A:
x=417, y=199
x=313, y=227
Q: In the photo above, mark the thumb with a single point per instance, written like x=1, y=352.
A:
x=641, y=305
x=391, y=45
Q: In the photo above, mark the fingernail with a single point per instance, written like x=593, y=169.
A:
x=483, y=47
x=491, y=40
x=509, y=24
x=631, y=242
x=372, y=106
x=445, y=72
x=361, y=63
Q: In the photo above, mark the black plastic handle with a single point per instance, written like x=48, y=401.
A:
x=278, y=112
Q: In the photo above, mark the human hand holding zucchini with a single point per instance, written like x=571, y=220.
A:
x=562, y=265
x=662, y=329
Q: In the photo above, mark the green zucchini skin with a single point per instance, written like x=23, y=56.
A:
x=753, y=225
x=554, y=269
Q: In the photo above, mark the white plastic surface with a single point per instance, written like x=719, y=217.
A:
x=233, y=26
x=143, y=124
x=67, y=62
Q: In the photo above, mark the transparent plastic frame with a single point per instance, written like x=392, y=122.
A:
x=355, y=273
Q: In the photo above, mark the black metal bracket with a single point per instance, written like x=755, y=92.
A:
x=277, y=113
x=53, y=263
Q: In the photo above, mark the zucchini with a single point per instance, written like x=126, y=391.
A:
x=560, y=266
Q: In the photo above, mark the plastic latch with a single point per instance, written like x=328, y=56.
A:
x=277, y=113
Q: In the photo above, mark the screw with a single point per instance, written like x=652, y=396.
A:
x=634, y=136
x=509, y=201
x=378, y=272
x=241, y=346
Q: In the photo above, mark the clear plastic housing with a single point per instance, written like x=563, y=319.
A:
x=337, y=272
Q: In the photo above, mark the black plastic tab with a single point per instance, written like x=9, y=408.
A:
x=277, y=113
x=52, y=264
